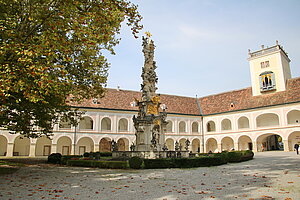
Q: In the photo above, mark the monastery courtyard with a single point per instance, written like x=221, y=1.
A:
x=270, y=175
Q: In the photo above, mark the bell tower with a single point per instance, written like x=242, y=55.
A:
x=269, y=69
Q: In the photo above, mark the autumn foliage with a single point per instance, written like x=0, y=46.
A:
x=51, y=49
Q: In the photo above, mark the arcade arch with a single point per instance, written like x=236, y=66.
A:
x=293, y=117
x=182, y=127
x=182, y=143
x=245, y=143
x=227, y=144
x=105, y=145
x=123, y=125
x=169, y=126
x=269, y=142
x=226, y=125
x=64, y=145
x=123, y=144
x=21, y=146
x=266, y=120
x=84, y=144
x=170, y=144
x=3, y=145
x=195, y=127
x=196, y=146
x=105, y=124
x=211, y=145
x=64, y=124
x=243, y=122
x=43, y=146
x=211, y=126
x=86, y=123
x=293, y=138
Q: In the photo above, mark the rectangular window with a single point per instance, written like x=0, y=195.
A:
x=265, y=64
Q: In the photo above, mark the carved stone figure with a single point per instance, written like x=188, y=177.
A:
x=150, y=123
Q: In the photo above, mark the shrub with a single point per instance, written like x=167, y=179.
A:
x=54, y=158
x=99, y=164
x=86, y=154
x=135, y=162
x=105, y=154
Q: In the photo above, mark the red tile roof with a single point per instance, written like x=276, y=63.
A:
x=243, y=99
x=213, y=104
x=121, y=100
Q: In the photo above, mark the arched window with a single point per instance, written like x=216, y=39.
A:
x=243, y=122
x=64, y=123
x=195, y=127
x=123, y=125
x=169, y=127
x=267, y=81
x=86, y=123
x=268, y=119
x=226, y=125
x=211, y=126
x=105, y=124
x=293, y=117
x=182, y=128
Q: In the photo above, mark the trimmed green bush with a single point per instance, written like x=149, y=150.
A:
x=86, y=154
x=99, y=164
x=135, y=162
x=54, y=158
x=105, y=154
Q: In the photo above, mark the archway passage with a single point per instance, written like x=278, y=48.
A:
x=170, y=144
x=196, y=146
x=123, y=144
x=3, y=145
x=245, y=143
x=270, y=142
x=43, y=146
x=21, y=146
x=211, y=145
x=227, y=144
x=182, y=143
x=294, y=138
x=105, y=145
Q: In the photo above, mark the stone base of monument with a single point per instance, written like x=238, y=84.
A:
x=150, y=154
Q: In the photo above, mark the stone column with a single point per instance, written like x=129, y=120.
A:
x=32, y=150
x=219, y=147
x=96, y=147
x=54, y=148
x=236, y=146
x=286, y=145
x=254, y=146
x=10, y=149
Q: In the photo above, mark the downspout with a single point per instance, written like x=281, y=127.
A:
x=201, y=118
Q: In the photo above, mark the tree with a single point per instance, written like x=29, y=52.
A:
x=51, y=50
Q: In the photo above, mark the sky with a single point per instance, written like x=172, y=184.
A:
x=202, y=45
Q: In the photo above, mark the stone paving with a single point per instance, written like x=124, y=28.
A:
x=271, y=175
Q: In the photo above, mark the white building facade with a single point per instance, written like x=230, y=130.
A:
x=263, y=117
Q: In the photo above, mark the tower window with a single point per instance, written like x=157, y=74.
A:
x=265, y=64
x=267, y=81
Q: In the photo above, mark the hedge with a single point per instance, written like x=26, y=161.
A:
x=201, y=161
x=64, y=159
x=99, y=164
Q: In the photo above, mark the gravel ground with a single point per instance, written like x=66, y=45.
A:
x=271, y=175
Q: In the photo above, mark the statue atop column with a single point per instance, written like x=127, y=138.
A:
x=150, y=124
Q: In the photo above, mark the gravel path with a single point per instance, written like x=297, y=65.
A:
x=271, y=175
